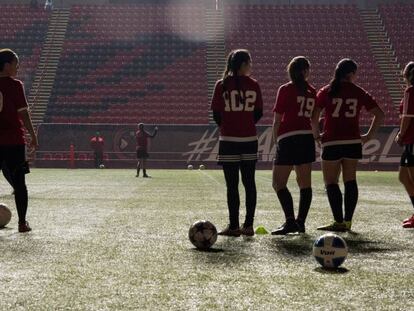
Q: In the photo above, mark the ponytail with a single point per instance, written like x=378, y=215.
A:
x=296, y=71
x=409, y=73
x=235, y=60
x=342, y=70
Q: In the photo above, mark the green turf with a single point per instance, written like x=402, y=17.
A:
x=105, y=240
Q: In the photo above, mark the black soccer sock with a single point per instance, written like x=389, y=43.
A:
x=412, y=200
x=285, y=199
x=144, y=171
x=248, y=171
x=335, y=201
x=304, y=204
x=231, y=175
x=350, y=198
x=138, y=167
x=21, y=196
x=7, y=175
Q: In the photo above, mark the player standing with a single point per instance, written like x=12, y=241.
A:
x=295, y=145
x=14, y=111
x=97, y=144
x=341, y=139
x=405, y=138
x=142, y=148
x=237, y=106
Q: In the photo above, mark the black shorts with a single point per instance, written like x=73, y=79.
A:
x=236, y=152
x=142, y=154
x=339, y=152
x=13, y=158
x=295, y=150
x=407, y=157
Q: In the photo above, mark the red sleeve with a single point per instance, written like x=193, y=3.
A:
x=20, y=98
x=408, y=103
x=259, y=98
x=322, y=99
x=217, y=103
x=280, y=104
x=369, y=102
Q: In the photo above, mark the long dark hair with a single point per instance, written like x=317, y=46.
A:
x=235, y=60
x=408, y=73
x=343, y=68
x=6, y=56
x=296, y=69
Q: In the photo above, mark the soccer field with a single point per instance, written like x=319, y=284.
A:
x=105, y=240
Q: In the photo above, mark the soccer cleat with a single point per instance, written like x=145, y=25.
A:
x=247, y=230
x=335, y=226
x=408, y=219
x=287, y=227
x=230, y=232
x=146, y=176
x=348, y=225
x=301, y=226
x=409, y=223
x=24, y=227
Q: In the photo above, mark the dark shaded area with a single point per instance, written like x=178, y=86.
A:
x=339, y=270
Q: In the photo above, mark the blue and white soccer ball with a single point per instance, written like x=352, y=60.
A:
x=330, y=250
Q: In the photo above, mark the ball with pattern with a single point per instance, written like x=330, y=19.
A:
x=330, y=250
x=190, y=167
x=5, y=215
x=203, y=234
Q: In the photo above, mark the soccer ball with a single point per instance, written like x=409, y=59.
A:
x=203, y=234
x=5, y=215
x=101, y=166
x=201, y=167
x=330, y=250
x=190, y=167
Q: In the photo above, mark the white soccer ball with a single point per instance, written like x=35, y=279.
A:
x=330, y=250
x=190, y=167
x=201, y=167
x=203, y=234
x=5, y=215
x=101, y=166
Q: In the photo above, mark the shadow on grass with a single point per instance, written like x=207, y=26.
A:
x=207, y=250
x=297, y=245
x=339, y=270
x=363, y=246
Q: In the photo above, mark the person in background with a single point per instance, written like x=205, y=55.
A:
x=97, y=145
x=142, y=148
x=48, y=5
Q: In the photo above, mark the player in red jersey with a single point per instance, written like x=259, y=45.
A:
x=97, y=144
x=142, y=148
x=295, y=145
x=341, y=140
x=405, y=138
x=13, y=115
x=237, y=107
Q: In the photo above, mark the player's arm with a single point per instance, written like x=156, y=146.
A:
x=406, y=117
x=277, y=118
x=375, y=124
x=217, y=103
x=154, y=133
x=27, y=121
x=316, y=113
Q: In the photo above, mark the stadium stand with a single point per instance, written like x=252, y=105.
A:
x=129, y=63
x=396, y=19
x=25, y=33
x=323, y=33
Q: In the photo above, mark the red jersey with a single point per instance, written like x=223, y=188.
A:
x=296, y=110
x=142, y=140
x=341, y=125
x=237, y=121
x=407, y=110
x=12, y=101
x=97, y=143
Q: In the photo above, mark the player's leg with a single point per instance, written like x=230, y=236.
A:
x=280, y=178
x=231, y=176
x=100, y=158
x=144, y=167
x=304, y=180
x=96, y=159
x=406, y=177
x=7, y=174
x=349, y=167
x=248, y=170
x=15, y=161
x=331, y=171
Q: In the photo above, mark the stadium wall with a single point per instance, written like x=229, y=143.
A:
x=176, y=146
